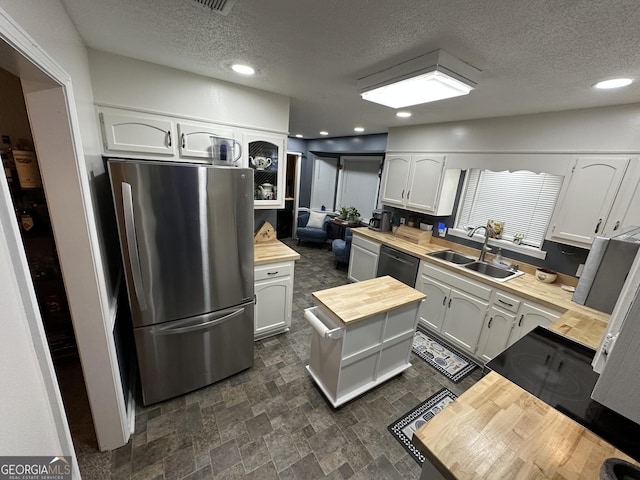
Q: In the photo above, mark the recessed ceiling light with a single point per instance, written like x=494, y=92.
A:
x=358, y=129
x=614, y=83
x=403, y=114
x=324, y=133
x=299, y=135
x=243, y=69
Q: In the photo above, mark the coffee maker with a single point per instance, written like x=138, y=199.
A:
x=380, y=220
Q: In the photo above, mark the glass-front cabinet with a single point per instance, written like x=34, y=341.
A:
x=265, y=154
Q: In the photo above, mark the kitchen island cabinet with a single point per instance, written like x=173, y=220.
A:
x=363, y=333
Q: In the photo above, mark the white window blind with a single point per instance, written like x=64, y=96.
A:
x=523, y=200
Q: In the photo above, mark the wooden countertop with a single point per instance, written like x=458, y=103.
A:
x=547, y=294
x=357, y=301
x=496, y=430
x=272, y=252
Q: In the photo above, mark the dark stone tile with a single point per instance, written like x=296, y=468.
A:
x=254, y=455
x=346, y=471
x=233, y=415
x=204, y=473
x=409, y=468
x=282, y=448
x=382, y=469
x=357, y=456
x=121, y=456
x=154, y=471
x=190, y=421
x=157, y=450
x=327, y=441
x=225, y=456
x=293, y=420
x=179, y=464
x=308, y=467
x=258, y=426
x=265, y=472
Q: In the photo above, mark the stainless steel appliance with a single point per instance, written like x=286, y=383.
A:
x=397, y=264
x=606, y=270
x=380, y=220
x=186, y=235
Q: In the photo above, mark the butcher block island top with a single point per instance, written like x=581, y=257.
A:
x=497, y=430
x=361, y=300
x=273, y=251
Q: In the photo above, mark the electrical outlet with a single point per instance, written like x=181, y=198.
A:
x=402, y=220
x=580, y=268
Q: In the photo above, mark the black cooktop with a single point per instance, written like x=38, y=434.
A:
x=558, y=371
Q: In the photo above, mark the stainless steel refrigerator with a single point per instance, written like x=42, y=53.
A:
x=186, y=235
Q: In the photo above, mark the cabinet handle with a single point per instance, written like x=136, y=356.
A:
x=616, y=226
x=272, y=273
x=546, y=360
x=169, y=137
x=402, y=194
x=444, y=301
x=183, y=140
x=520, y=321
x=506, y=303
x=560, y=366
x=490, y=320
x=598, y=226
x=449, y=303
x=408, y=194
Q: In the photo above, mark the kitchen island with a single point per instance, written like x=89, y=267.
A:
x=497, y=430
x=363, y=333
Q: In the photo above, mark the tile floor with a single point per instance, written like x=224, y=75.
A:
x=271, y=422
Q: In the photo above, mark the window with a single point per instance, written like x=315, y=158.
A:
x=523, y=200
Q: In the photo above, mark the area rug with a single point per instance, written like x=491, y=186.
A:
x=449, y=362
x=403, y=428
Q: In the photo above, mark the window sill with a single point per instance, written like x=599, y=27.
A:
x=504, y=244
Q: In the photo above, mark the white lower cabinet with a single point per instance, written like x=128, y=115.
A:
x=363, y=262
x=495, y=335
x=457, y=308
x=531, y=315
x=274, y=298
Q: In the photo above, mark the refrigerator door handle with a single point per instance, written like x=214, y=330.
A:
x=132, y=244
x=199, y=326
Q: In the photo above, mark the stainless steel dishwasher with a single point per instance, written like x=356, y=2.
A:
x=397, y=264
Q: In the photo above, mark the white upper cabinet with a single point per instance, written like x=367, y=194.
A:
x=582, y=213
x=419, y=182
x=394, y=180
x=201, y=140
x=265, y=153
x=626, y=209
x=135, y=132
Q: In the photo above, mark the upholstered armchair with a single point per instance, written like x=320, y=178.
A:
x=313, y=227
x=342, y=248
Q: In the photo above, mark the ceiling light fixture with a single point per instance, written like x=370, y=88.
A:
x=243, y=69
x=358, y=129
x=403, y=114
x=324, y=133
x=613, y=83
x=430, y=77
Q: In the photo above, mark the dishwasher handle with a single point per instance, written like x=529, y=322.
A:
x=320, y=327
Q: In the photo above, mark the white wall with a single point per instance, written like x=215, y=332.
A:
x=125, y=82
x=67, y=143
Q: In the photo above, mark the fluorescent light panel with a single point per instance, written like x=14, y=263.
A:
x=428, y=78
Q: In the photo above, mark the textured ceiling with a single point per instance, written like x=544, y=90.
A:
x=535, y=56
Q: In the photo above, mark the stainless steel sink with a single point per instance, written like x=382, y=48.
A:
x=497, y=273
x=451, y=256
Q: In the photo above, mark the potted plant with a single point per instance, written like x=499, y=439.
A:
x=349, y=214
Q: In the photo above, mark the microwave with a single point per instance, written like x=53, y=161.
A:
x=606, y=270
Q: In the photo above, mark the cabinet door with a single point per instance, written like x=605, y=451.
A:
x=363, y=264
x=434, y=307
x=582, y=213
x=496, y=333
x=137, y=133
x=265, y=153
x=394, y=180
x=273, y=305
x=626, y=208
x=529, y=317
x=464, y=319
x=195, y=140
x=424, y=183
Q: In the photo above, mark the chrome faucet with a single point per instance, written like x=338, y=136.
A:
x=485, y=247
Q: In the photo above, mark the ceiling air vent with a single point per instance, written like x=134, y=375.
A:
x=222, y=7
